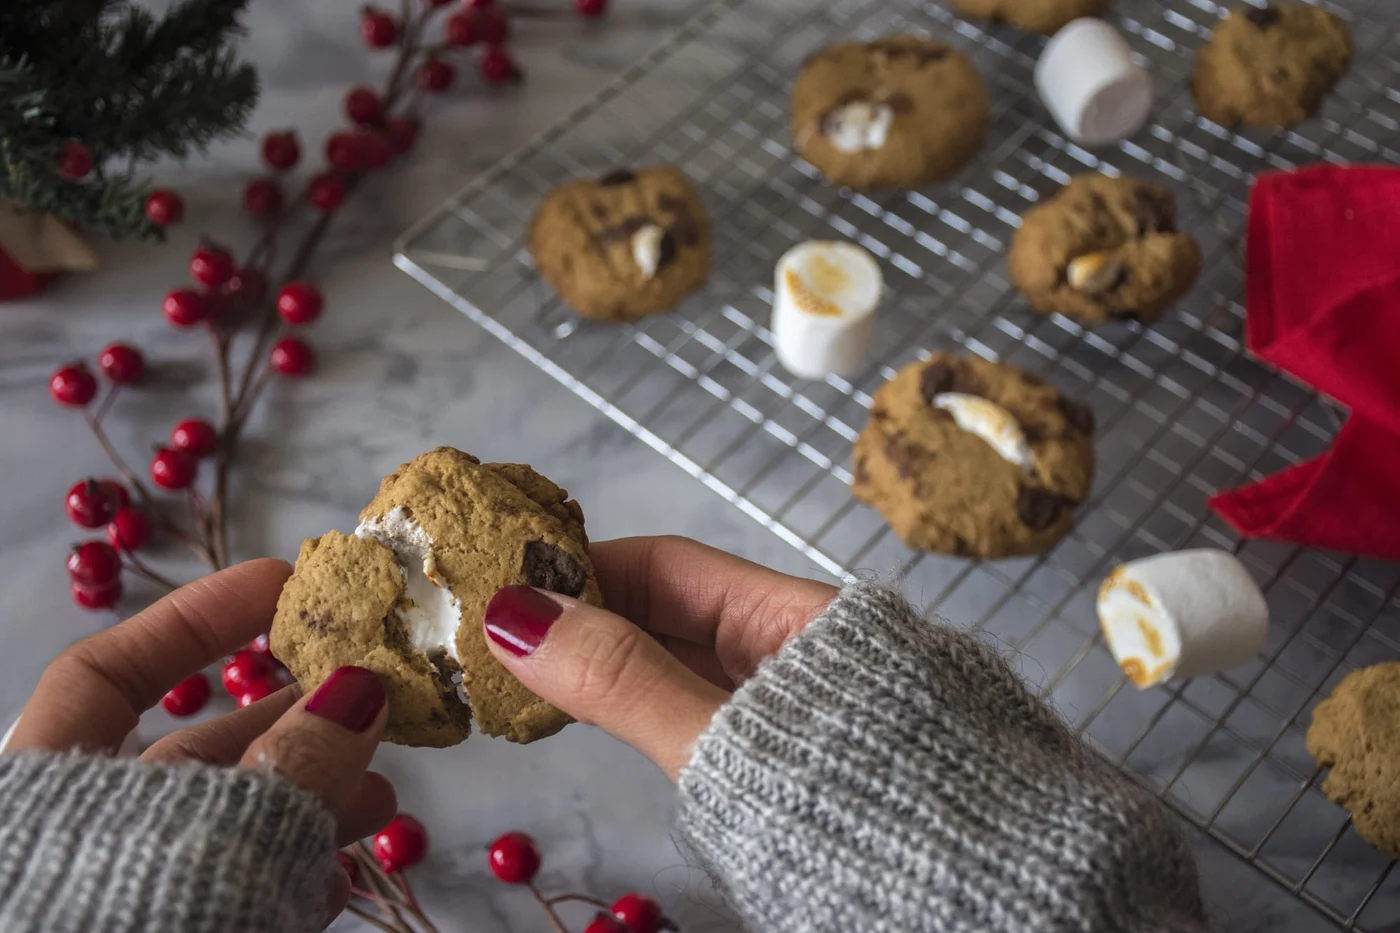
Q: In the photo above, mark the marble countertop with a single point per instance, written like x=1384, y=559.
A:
x=400, y=372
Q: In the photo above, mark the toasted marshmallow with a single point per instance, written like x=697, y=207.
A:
x=824, y=306
x=1182, y=614
x=859, y=126
x=991, y=422
x=646, y=249
x=429, y=611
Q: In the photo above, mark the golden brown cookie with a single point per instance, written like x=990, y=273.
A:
x=1356, y=733
x=1046, y=16
x=895, y=113
x=625, y=245
x=1104, y=249
x=405, y=595
x=968, y=457
x=1270, y=66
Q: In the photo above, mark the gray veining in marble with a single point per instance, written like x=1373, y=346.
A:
x=401, y=372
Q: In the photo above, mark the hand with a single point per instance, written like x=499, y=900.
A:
x=703, y=619
x=92, y=695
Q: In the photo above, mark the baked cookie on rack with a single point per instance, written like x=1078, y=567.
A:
x=625, y=245
x=978, y=459
x=1104, y=249
x=405, y=594
x=1356, y=733
x=899, y=112
x=1045, y=16
x=1270, y=66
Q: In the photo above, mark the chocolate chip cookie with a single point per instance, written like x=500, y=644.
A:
x=973, y=458
x=1045, y=16
x=625, y=245
x=1270, y=66
x=895, y=113
x=405, y=594
x=1104, y=249
x=1356, y=733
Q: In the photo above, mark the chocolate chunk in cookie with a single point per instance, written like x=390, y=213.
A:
x=548, y=567
x=1045, y=16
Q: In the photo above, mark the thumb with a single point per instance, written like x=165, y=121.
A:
x=602, y=669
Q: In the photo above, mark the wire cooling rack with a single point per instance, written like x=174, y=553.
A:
x=1182, y=410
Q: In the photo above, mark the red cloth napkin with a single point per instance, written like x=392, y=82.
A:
x=1323, y=300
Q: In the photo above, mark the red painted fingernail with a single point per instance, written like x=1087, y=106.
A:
x=518, y=617
x=351, y=697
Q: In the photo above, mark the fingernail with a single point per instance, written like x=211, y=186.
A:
x=518, y=617
x=351, y=697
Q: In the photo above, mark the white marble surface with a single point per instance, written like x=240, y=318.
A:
x=400, y=372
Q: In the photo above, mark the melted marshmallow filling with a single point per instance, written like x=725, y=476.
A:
x=429, y=612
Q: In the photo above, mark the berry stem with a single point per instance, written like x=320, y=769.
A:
x=140, y=568
x=374, y=876
x=105, y=405
x=580, y=898
x=372, y=919
x=548, y=905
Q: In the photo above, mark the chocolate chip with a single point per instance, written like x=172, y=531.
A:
x=862, y=474
x=1039, y=508
x=1079, y=415
x=667, y=253
x=620, y=176
x=1264, y=18
x=900, y=102
x=1155, y=210
x=1279, y=75
x=600, y=211
x=937, y=379
x=549, y=567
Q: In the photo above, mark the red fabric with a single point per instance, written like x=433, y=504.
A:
x=1323, y=297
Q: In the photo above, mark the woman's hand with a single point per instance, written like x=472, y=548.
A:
x=703, y=619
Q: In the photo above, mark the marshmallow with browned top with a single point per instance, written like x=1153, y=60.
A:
x=824, y=300
x=1182, y=614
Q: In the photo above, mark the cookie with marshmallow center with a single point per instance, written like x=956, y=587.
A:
x=969, y=457
x=405, y=593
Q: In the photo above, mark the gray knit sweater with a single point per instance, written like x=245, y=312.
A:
x=882, y=773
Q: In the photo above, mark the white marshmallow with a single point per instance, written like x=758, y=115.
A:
x=859, y=126
x=1094, y=89
x=646, y=249
x=824, y=301
x=1182, y=614
x=991, y=422
x=431, y=613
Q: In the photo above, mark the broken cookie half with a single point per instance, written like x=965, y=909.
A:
x=405, y=594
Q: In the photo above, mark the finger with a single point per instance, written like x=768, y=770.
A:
x=701, y=659
x=91, y=695
x=602, y=669
x=223, y=741
x=325, y=742
x=675, y=586
x=368, y=809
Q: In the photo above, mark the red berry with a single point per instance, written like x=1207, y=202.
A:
x=211, y=265
x=435, y=75
x=403, y=133
x=173, y=469
x=75, y=162
x=244, y=668
x=375, y=148
x=641, y=914
x=281, y=150
x=362, y=105
x=343, y=151
x=497, y=67
x=194, y=436
x=514, y=859
x=378, y=28
x=116, y=490
x=349, y=866
x=256, y=690
x=402, y=844
x=121, y=363
x=459, y=30
x=248, y=284
x=261, y=645
x=185, y=307
x=491, y=28
x=292, y=357
x=91, y=503
x=327, y=191
x=73, y=385
x=95, y=597
x=94, y=564
x=187, y=697
x=299, y=303
x=129, y=529
x=605, y=923
x=262, y=197
x=164, y=208
x=591, y=7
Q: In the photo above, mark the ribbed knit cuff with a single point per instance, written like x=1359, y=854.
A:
x=122, y=846
x=884, y=772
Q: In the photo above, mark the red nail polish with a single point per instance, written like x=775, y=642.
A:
x=518, y=617
x=351, y=697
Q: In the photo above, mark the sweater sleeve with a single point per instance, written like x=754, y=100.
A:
x=124, y=846
x=886, y=773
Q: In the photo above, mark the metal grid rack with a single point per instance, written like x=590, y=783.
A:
x=1182, y=410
